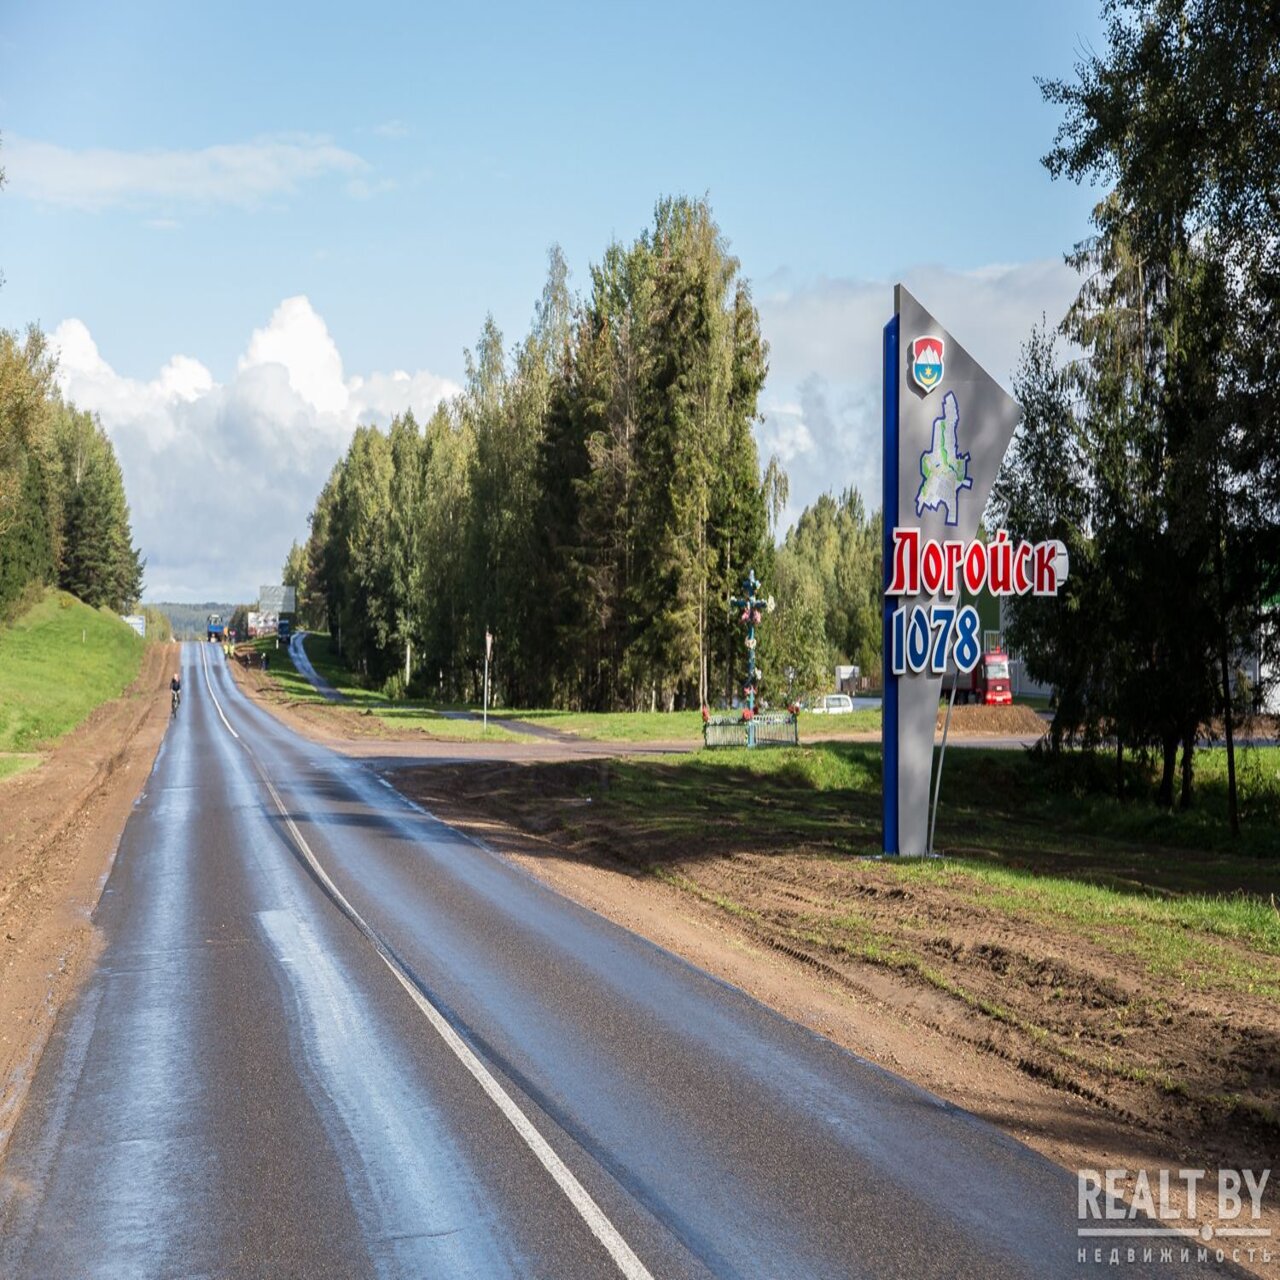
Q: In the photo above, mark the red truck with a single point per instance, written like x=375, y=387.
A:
x=988, y=683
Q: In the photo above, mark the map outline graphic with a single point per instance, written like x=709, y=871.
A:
x=944, y=470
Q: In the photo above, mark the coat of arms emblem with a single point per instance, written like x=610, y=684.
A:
x=926, y=362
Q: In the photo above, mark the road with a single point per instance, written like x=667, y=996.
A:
x=298, y=652
x=328, y=1036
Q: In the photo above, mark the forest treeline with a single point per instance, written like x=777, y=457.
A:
x=592, y=499
x=1151, y=445
x=64, y=517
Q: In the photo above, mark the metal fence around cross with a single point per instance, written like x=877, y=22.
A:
x=765, y=729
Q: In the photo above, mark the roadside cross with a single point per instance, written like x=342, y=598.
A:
x=751, y=607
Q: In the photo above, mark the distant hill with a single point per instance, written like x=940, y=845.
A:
x=188, y=620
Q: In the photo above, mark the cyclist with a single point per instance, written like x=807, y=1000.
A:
x=175, y=689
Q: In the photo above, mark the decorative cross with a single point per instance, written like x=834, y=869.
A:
x=751, y=608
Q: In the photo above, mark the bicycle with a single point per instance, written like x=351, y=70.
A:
x=176, y=699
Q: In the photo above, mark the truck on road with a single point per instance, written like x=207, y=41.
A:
x=987, y=684
x=215, y=628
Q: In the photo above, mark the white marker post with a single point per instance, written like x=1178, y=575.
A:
x=488, y=649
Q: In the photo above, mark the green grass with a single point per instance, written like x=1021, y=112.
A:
x=617, y=726
x=1145, y=887
x=1008, y=809
x=329, y=666
x=421, y=718
x=284, y=674
x=400, y=716
x=1173, y=937
x=58, y=661
x=1036, y=701
x=862, y=720
x=12, y=765
x=417, y=714
x=621, y=726
x=671, y=726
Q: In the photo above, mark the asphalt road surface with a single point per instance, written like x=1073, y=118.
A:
x=298, y=652
x=330, y=1036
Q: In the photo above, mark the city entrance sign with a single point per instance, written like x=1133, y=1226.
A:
x=947, y=425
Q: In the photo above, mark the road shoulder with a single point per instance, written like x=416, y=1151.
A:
x=62, y=826
x=914, y=1030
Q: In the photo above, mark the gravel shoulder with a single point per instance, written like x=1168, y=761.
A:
x=62, y=824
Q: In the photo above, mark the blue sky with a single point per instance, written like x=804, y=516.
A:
x=176, y=173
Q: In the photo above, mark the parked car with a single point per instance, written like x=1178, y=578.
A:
x=832, y=704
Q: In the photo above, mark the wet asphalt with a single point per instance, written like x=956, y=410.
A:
x=245, y=1088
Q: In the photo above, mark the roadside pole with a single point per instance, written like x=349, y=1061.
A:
x=942, y=754
x=488, y=650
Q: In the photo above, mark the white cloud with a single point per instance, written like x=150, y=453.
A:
x=392, y=129
x=380, y=396
x=221, y=478
x=361, y=189
x=297, y=338
x=784, y=432
x=244, y=174
x=822, y=404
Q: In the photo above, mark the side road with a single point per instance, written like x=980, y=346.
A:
x=58, y=837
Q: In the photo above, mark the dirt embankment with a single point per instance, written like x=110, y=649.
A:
x=1017, y=1019
x=61, y=825
x=995, y=722
x=972, y=722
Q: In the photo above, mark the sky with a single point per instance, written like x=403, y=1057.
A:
x=249, y=227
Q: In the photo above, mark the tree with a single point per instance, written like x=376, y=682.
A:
x=1181, y=114
x=99, y=562
x=839, y=547
x=1041, y=493
x=591, y=497
x=798, y=651
x=64, y=516
x=297, y=574
x=446, y=578
x=362, y=517
x=30, y=495
x=405, y=536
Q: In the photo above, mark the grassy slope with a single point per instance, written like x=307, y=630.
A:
x=860, y=721
x=58, y=662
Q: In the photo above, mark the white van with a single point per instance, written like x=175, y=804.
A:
x=832, y=704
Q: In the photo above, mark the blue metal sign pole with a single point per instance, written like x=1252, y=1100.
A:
x=889, y=499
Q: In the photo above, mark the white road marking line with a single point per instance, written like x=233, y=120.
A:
x=204, y=658
x=604, y=1231
x=577, y=1194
